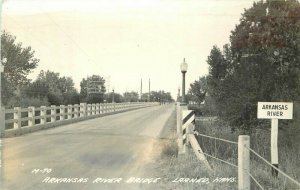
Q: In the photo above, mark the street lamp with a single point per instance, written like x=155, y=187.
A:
x=183, y=68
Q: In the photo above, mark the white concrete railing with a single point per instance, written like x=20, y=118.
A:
x=19, y=121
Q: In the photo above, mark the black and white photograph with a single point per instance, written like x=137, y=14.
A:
x=150, y=95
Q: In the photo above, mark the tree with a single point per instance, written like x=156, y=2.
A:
x=262, y=62
x=198, y=90
x=117, y=97
x=57, y=90
x=160, y=96
x=215, y=79
x=70, y=94
x=131, y=96
x=145, y=97
x=92, y=89
x=19, y=62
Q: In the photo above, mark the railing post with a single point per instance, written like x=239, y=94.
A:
x=105, y=108
x=101, y=108
x=93, y=109
x=189, y=130
x=31, y=116
x=183, y=145
x=178, y=119
x=243, y=162
x=76, y=111
x=53, y=113
x=108, y=108
x=43, y=115
x=70, y=111
x=97, y=109
x=62, y=112
x=82, y=109
x=180, y=134
x=2, y=124
x=17, y=117
x=89, y=110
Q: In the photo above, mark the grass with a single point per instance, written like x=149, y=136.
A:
x=169, y=167
x=289, y=154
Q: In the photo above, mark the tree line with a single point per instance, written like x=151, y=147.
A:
x=50, y=88
x=261, y=63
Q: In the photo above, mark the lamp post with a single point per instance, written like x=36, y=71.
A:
x=183, y=68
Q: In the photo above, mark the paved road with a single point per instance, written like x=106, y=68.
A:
x=115, y=146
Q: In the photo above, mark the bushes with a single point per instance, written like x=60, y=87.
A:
x=26, y=102
x=196, y=108
x=202, y=109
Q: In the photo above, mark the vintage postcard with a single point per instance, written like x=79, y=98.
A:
x=140, y=94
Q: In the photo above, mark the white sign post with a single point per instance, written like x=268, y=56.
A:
x=274, y=111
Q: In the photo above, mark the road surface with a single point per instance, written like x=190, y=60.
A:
x=84, y=155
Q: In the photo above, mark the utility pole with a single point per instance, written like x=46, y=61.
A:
x=141, y=88
x=149, y=92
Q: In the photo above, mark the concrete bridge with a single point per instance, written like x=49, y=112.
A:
x=82, y=155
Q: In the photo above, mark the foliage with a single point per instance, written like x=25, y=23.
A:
x=117, y=97
x=160, y=96
x=19, y=62
x=145, y=97
x=57, y=90
x=262, y=62
x=26, y=101
x=198, y=90
x=92, y=89
x=130, y=96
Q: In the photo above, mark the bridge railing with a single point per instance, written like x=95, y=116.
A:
x=19, y=120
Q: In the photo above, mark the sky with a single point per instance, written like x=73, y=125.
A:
x=123, y=40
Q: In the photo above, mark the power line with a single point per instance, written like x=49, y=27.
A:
x=31, y=34
x=70, y=38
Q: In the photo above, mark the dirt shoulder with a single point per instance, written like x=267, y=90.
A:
x=170, y=170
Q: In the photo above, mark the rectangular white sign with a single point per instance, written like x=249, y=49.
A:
x=275, y=110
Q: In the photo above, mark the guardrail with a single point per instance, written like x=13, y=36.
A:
x=19, y=121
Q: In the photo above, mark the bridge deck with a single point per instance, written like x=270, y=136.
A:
x=115, y=146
